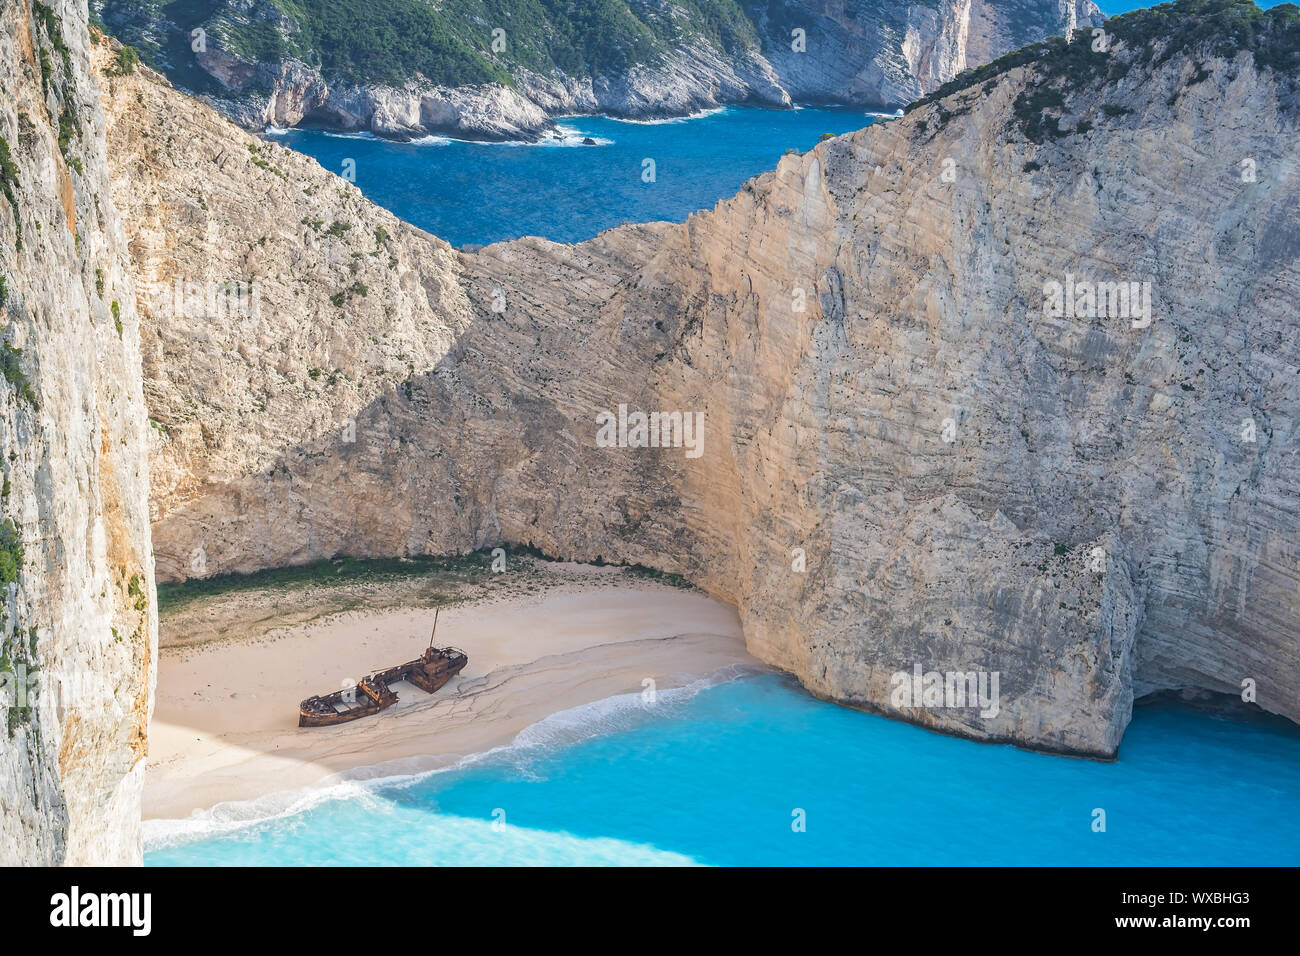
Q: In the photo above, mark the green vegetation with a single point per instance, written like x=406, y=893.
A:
x=135, y=590
x=117, y=317
x=46, y=16
x=451, y=41
x=674, y=580
x=47, y=71
x=67, y=129
x=328, y=572
x=4, y=290
x=11, y=552
x=1195, y=28
x=99, y=281
x=475, y=567
x=128, y=58
x=261, y=161
x=8, y=174
x=11, y=365
x=18, y=716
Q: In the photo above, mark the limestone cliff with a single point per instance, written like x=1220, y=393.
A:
x=79, y=627
x=500, y=70
x=908, y=460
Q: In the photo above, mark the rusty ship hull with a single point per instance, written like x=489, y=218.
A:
x=372, y=694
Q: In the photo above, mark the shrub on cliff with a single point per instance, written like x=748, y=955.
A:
x=11, y=367
x=8, y=174
x=127, y=60
x=11, y=553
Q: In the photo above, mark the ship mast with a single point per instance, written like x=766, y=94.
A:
x=435, y=627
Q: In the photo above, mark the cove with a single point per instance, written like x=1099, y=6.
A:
x=478, y=193
x=722, y=775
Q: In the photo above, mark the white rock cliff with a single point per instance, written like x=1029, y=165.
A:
x=79, y=626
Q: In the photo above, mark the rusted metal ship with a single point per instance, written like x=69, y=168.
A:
x=373, y=693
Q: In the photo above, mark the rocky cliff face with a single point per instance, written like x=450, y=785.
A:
x=671, y=59
x=76, y=566
x=914, y=456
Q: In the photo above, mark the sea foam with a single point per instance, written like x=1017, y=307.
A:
x=556, y=731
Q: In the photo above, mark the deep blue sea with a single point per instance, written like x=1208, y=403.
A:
x=485, y=192
x=720, y=774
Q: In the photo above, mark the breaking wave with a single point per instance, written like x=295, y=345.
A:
x=363, y=784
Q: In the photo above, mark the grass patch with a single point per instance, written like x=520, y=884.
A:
x=663, y=577
x=475, y=567
x=324, y=573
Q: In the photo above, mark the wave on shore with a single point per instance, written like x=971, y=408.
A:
x=554, y=732
x=561, y=136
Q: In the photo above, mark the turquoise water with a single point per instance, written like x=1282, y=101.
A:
x=485, y=192
x=715, y=775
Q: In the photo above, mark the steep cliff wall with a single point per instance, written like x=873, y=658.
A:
x=499, y=70
x=79, y=627
x=906, y=460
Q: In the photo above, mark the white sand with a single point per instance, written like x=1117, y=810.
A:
x=225, y=723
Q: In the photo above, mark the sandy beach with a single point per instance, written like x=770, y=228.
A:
x=225, y=723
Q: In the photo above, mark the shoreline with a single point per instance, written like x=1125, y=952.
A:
x=230, y=816
x=556, y=133
x=225, y=729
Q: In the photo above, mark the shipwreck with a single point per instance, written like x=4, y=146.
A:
x=373, y=693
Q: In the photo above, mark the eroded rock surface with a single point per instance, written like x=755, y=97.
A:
x=79, y=626
x=973, y=484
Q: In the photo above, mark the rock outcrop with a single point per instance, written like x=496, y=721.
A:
x=910, y=459
x=76, y=566
x=652, y=60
